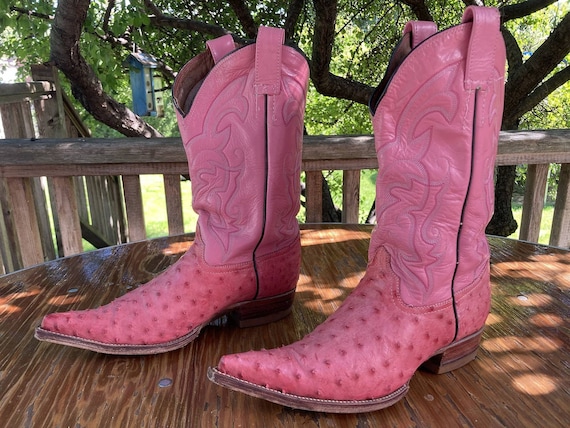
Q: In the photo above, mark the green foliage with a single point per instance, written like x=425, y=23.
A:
x=530, y=31
x=551, y=183
x=22, y=37
x=365, y=35
x=332, y=116
x=366, y=32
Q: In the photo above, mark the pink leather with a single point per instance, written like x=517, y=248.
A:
x=420, y=30
x=163, y=309
x=221, y=47
x=224, y=136
x=244, y=154
x=423, y=127
x=434, y=199
x=477, y=73
x=183, y=298
x=268, y=61
x=487, y=78
x=367, y=349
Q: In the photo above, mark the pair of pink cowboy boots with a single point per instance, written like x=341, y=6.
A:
x=425, y=296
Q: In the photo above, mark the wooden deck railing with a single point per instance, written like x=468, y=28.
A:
x=63, y=159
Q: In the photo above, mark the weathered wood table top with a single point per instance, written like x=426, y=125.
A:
x=521, y=377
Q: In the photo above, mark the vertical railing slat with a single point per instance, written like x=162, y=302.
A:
x=134, y=207
x=173, y=196
x=314, y=196
x=560, y=232
x=68, y=215
x=9, y=245
x=533, y=202
x=350, y=196
x=23, y=214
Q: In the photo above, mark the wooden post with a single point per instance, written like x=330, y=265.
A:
x=173, y=196
x=19, y=200
x=98, y=199
x=25, y=220
x=9, y=243
x=560, y=233
x=69, y=225
x=50, y=114
x=350, y=196
x=54, y=124
x=134, y=207
x=533, y=203
x=314, y=196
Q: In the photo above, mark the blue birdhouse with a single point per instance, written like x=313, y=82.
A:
x=146, y=86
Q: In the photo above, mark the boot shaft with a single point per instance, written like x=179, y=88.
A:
x=436, y=123
x=240, y=112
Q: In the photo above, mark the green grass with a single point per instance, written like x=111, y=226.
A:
x=154, y=208
x=368, y=193
x=545, y=223
x=154, y=205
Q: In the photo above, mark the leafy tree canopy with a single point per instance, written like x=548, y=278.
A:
x=347, y=42
x=348, y=54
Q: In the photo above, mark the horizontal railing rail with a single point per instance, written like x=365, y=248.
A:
x=20, y=157
x=129, y=158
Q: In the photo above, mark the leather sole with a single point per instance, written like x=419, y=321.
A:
x=306, y=403
x=245, y=314
x=451, y=357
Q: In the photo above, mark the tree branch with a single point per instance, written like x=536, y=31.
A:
x=161, y=20
x=152, y=7
x=129, y=46
x=473, y=2
x=85, y=85
x=518, y=10
x=107, y=16
x=514, y=54
x=542, y=91
x=323, y=38
x=189, y=25
x=244, y=16
x=293, y=13
x=325, y=82
x=523, y=80
x=419, y=9
x=30, y=13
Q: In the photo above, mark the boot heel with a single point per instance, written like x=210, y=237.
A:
x=263, y=311
x=455, y=355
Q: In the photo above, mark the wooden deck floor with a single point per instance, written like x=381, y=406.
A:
x=521, y=377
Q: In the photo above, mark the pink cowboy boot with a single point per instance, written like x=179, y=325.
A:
x=240, y=112
x=425, y=296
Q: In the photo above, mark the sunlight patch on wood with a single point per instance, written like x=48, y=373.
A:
x=535, y=384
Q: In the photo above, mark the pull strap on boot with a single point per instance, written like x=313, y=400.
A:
x=425, y=295
x=240, y=112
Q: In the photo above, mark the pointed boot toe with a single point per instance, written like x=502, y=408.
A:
x=169, y=312
x=360, y=359
x=165, y=314
x=425, y=296
x=240, y=112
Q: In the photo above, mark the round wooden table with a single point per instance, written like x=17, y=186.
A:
x=521, y=377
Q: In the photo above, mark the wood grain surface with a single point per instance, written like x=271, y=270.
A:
x=520, y=378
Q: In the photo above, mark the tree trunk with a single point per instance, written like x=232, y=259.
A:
x=503, y=223
x=86, y=87
x=331, y=214
x=527, y=85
